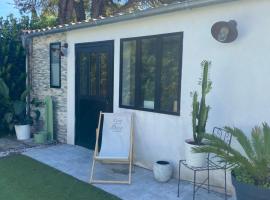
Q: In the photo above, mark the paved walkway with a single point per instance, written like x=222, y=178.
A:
x=10, y=145
x=76, y=161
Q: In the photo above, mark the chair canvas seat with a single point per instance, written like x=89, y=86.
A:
x=116, y=135
x=116, y=143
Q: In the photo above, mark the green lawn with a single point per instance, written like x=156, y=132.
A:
x=22, y=178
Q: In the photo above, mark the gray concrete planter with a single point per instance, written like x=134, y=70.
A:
x=163, y=171
x=246, y=191
x=41, y=137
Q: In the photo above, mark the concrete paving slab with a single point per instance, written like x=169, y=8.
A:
x=77, y=161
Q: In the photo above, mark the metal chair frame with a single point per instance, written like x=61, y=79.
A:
x=211, y=166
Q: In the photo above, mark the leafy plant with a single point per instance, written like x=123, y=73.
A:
x=12, y=65
x=15, y=112
x=4, y=104
x=252, y=166
x=20, y=114
x=200, y=109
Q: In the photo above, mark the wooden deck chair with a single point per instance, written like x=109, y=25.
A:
x=117, y=143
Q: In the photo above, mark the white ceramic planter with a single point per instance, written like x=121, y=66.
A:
x=163, y=171
x=22, y=132
x=194, y=159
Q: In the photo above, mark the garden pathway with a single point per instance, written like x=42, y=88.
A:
x=76, y=161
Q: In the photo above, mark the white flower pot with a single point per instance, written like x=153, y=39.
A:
x=163, y=171
x=22, y=132
x=194, y=159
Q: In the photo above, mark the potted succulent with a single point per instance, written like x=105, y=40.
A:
x=199, y=118
x=250, y=165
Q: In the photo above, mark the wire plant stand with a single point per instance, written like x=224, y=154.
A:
x=211, y=166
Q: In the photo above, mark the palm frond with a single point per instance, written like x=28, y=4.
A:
x=257, y=141
x=255, y=161
x=243, y=140
x=266, y=132
x=217, y=146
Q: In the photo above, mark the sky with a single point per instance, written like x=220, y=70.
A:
x=7, y=8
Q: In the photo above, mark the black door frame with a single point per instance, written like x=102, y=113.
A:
x=87, y=46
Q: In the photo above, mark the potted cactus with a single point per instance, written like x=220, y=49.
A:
x=199, y=118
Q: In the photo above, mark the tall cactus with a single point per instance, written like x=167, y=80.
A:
x=49, y=117
x=200, y=109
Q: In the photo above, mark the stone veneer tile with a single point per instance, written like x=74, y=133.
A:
x=40, y=81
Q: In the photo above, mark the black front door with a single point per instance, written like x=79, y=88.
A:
x=94, y=88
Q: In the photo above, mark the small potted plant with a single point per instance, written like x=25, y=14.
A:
x=17, y=115
x=199, y=118
x=22, y=120
x=250, y=167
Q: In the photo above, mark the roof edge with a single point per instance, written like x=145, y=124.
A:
x=125, y=17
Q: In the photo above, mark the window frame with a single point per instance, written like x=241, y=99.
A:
x=138, y=68
x=59, y=59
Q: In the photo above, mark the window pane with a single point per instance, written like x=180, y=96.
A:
x=150, y=68
x=55, y=65
x=128, y=73
x=170, y=74
x=148, y=72
x=83, y=73
x=103, y=74
x=93, y=70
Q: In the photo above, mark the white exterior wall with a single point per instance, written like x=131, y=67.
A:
x=240, y=73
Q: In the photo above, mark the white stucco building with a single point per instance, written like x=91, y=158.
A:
x=240, y=72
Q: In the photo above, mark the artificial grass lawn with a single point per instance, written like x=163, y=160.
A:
x=22, y=178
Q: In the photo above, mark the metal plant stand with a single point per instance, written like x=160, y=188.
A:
x=211, y=166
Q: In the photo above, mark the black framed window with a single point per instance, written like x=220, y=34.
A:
x=150, y=73
x=55, y=65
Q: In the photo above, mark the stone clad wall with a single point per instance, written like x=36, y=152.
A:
x=39, y=75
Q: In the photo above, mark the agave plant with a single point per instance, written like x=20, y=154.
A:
x=250, y=166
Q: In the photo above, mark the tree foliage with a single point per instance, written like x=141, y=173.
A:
x=12, y=61
x=66, y=11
